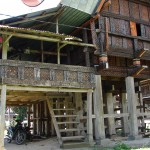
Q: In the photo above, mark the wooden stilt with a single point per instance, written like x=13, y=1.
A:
x=99, y=111
x=2, y=116
x=125, y=118
x=110, y=109
x=89, y=115
x=132, y=107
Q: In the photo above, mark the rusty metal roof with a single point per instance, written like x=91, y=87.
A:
x=14, y=30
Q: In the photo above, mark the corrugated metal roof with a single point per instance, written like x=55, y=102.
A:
x=69, y=19
x=15, y=30
x=87, y=6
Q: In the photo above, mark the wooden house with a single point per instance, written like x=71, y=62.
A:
x=89, y=55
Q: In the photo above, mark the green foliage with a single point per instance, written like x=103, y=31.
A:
x=122, y=146
x=21, y=111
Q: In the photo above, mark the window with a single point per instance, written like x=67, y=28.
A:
x=135, y=29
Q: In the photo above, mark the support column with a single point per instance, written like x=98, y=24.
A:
x=131, y=98
x=125, y=110
x=78, y=100
x=99, y=111
x=110, y=109
x=89, y=116
x=2, y=116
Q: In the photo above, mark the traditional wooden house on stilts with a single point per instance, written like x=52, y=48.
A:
x=84, y=57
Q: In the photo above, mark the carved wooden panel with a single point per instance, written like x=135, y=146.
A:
x=117, y=42
x=144, y=13
x=12, y=72
x=41, y=74
x=124, y=7
x=44, y=74
x=147, y=33
x=134, y=10
x=120, y=26
x=29, y=73
x=115, y=6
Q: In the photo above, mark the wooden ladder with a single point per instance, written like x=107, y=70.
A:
x=65, y=124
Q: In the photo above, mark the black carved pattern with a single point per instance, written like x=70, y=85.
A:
x=29, y=73
x=12, y=72
x=44, y=74
x=59, y=75
x=73, y=76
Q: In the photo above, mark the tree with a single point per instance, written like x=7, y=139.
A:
x=21, y=111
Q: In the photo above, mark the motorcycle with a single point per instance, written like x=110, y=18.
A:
x=18, y=133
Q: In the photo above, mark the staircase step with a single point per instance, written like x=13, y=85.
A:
x=71, y=122
x=71, y=130
x=59, y=116
x=69, y=138
x=71, y=145
x=64, y=109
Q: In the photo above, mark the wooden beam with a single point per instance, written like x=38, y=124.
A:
x=102, y=6
x=48, y=39
x=142, y=52
x=5, y=46
x=54, y=122
x=32, y=19
x=106, y=4
x=139, y=70
x=45, y=89
x=101, y=3
x=106, y=35
x=7, y=39
x=47, y=53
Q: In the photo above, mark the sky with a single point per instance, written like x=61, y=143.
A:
x=17, y=7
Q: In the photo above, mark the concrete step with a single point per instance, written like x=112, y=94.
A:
x=72, y=138
x=78, y=144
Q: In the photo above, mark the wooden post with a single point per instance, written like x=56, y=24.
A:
x=58, y=53
x=98, y=111
x=131, y=98
x=110, y=109
x=42, y=52
x=87, y=54
x=46, y=117
x=2, y=115
x=89, y=116
x=29, y=115
x=124, y=110
x=78, y=100
x=57, y=25
x=5, y=47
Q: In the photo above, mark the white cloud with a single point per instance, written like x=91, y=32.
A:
x=17, y=7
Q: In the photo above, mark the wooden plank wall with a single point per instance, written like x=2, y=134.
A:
x=120, y=14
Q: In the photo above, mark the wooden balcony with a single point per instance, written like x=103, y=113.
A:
x=24, y=73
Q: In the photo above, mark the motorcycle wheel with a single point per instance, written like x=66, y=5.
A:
x=20, y=137
x=8, y=140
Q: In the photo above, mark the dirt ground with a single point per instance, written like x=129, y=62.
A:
x=52, y=144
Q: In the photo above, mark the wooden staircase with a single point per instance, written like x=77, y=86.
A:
x=67, y=125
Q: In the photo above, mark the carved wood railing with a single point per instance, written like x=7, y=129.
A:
x=14, y=72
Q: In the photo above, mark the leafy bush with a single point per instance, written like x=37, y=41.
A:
x=122, y=146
